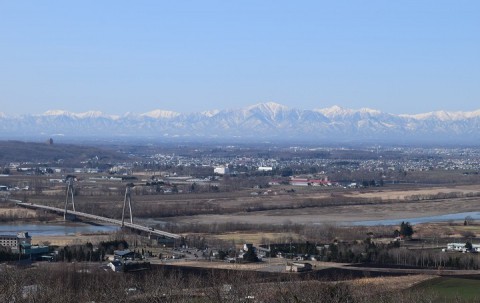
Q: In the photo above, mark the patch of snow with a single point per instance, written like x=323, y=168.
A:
x=335, y=111
x=90, y=114
x=271, y=107
x=58, y=112
x=161, y=114
x=370, y=111
x=130, y=115
x=444, y=115
x=474, y=114
x=85, y=115
x=210, y=113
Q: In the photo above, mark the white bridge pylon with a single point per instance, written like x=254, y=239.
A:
x=128, y=197
x=69, y=180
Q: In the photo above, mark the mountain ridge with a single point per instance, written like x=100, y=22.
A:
x=263, y=121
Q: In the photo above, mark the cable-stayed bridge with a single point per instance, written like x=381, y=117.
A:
x=149, y=230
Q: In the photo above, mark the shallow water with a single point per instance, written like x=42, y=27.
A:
x=440, y=218
x=55, y=229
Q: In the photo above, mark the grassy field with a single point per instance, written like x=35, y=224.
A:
x=257, y=238
x=448, y=289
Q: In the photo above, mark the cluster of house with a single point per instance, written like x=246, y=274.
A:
x=303, y=181
x=462, y=247
x=296, y=266
x=125, y=260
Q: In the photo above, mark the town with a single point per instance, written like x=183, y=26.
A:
x=280, y=213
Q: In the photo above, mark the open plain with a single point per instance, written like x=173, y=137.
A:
x=356, y=206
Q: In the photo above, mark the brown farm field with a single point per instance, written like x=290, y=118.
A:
x=276, y=205
x=350, y=207
x=394, y=194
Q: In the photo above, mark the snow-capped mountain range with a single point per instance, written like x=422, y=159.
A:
x=265, y=121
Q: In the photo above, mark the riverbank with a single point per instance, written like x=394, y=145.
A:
x=71, y=239
x=60, y=232
x=342, y=214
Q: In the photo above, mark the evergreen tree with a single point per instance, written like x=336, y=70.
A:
x=250, y=256
x=406, y=230
x=468, y=246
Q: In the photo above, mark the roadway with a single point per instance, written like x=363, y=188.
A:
x=99, y=218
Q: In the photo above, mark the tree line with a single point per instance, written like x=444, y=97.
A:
x=80, y=283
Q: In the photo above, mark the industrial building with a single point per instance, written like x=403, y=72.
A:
x=13, y=241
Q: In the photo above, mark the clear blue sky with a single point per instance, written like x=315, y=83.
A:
x=136, y=56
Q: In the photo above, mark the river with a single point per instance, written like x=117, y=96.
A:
x=440, y=218
x=55, y=229
x=71, y=228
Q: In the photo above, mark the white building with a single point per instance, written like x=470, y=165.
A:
x=265, y=168
x=221, y=170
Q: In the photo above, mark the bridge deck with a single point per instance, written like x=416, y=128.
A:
x=100, y=218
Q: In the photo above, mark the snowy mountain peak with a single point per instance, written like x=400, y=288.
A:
x=210, y=113
x=86, y=115
x=58, y=112
x=334, y=111
x=269, y=106
x=90, y=114
x=161, y=114
x=444, y=115
x=262, y=121
x=370, y=111
x=270, y=109
x=338, y=111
